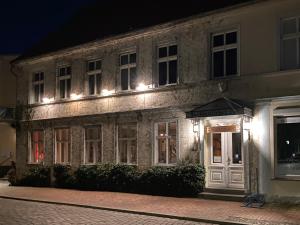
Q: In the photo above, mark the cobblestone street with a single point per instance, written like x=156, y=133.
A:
x=13, y=212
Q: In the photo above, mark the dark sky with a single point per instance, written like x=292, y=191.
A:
x=24, y=22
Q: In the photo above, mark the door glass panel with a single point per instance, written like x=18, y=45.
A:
x=217, y=148
x=236, y=148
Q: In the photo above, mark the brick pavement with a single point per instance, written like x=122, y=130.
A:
x=183, y=207
x=14, y=212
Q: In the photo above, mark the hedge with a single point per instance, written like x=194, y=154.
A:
x=180, y=180
x=36, y=176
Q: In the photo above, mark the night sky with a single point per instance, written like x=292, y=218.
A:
x=24, y=22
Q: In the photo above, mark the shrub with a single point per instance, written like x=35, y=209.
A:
x=123, y=178
x=182, y=180
x=107, y=177
x=64, y=177
x=36, y=176
x=4, y=170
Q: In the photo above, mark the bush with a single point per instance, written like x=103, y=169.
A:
x=107, y=177
x=4, y=170
x=36, y=176
x=182, y=180
x=64, y=177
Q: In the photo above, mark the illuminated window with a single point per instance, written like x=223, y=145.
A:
x=64, y=82
x=166, y=143
x=94, y=73
x=127, y=143
x=290, y=43
x=62, y=145
x=93, y=145
x=36, y=152
x=128, y=71
x=167, y=65
x=38, y=86
x=224, y=54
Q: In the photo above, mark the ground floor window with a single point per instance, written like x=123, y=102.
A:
x=127, y=143
x=166, y=142
x=288, y=146
x=93, y=145
x=62, y=145
x=36, y=152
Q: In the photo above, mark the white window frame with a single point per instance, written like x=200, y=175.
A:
x=156, y=136
x=224, y=48
x=284, y=37
x=99, y=126
x=38, y=83
x=64, y=78
x=167, y=59
x=128, y=67
x=93, y=73
x=55, y=145
x=29, y=156
x=127, y=139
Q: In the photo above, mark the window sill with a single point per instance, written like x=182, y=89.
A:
x=165, y=165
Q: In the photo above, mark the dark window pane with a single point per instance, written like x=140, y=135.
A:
x=36, y=93
x=231, y=38
x=231, y=62
x=62, y=72
x=99, y=82
x=218, y=64
x=173, y=72
x=41, y=76
x=218, y=40
x=68, y=88
x=124, y=79
x=133, y=78
x=289, y=26
x=289, y=54
x=98, y=65
x=124, y=59
x=92, y=84
x=288, y=149
x=173, y=50
x=68, y=70
x=162, y=52
x=41, y=91
x=90, y=66
x=36, y=77
x=236, y=148
x=133, y=58
x=162, y=73
x=62, y=88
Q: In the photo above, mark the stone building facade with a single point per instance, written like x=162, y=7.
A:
x=7, y=105
x=216, y=88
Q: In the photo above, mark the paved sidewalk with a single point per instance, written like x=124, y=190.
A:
x=190, y=208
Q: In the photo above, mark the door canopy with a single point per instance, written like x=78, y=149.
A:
x=221, y=107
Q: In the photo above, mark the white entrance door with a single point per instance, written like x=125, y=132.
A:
x=225, y=167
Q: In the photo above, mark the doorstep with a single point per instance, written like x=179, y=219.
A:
x=223, y=194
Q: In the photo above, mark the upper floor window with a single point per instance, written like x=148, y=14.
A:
x=62, y=145
x=94, y=73
x=38, y=86
x=36, y=151
x=166, y=142
x=128, y=71
x=290, y=43
x=167, y=65
x=224, y=53
x=93, y=145
x=127, y=143
x=64, y=82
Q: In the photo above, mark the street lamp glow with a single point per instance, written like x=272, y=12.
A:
x=76, y=96
x=142, y=87
x=48, y=100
